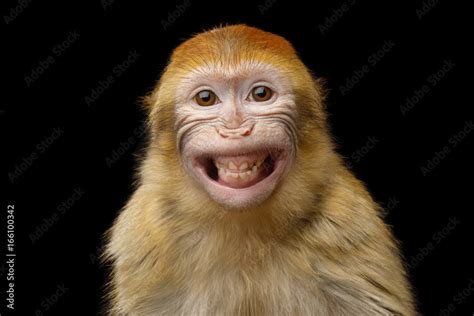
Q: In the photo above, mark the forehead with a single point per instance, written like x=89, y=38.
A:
x=231, y=51
x=232, y=72
x=230, y=55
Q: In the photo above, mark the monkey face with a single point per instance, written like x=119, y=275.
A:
x=236, y=130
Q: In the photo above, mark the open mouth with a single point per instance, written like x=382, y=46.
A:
x=238, y=180
x=240, y=171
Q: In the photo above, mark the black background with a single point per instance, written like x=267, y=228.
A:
x=429, y=213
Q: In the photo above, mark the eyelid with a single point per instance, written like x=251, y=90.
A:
x=261, y=83
x=195, y=91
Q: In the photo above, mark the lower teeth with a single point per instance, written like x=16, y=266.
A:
x=242, y=174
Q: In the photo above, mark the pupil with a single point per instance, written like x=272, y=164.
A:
x=261, y=92
x=205, y=96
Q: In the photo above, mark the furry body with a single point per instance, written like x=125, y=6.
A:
x=315, y=246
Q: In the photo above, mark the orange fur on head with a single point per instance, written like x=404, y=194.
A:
x=310, y=243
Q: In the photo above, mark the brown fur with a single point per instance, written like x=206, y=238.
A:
x=316, y=247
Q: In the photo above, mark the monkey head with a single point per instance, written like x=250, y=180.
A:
x=237, y=105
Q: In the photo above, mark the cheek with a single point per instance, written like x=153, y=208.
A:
x=272, y=134
x=191, y=125
x=199, y=139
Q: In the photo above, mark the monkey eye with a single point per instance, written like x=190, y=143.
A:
x=261, y=93
x=206, y=98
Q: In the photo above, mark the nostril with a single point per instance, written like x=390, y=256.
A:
x=223, y=134
x=247, y=131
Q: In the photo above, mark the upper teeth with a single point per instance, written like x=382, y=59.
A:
x=244, y=167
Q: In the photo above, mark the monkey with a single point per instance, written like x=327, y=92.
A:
x=242, y=204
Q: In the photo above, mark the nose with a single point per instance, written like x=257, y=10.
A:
x=234, y=122
x=235, y=132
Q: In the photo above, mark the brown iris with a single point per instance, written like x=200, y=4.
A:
x=206, y=98
x=261, y=93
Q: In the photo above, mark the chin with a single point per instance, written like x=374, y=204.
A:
x=238, y=180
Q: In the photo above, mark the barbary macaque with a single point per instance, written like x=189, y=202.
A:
x=243, y=206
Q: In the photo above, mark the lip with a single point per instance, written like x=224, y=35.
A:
x=246, y=196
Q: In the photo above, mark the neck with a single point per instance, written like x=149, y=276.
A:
x=189, y=209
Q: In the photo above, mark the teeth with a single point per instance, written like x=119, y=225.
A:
x=221, y=172
x=244, y=166
x=243, y=176
x=244, y=172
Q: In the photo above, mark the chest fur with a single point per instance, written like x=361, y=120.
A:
x=251, y=282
